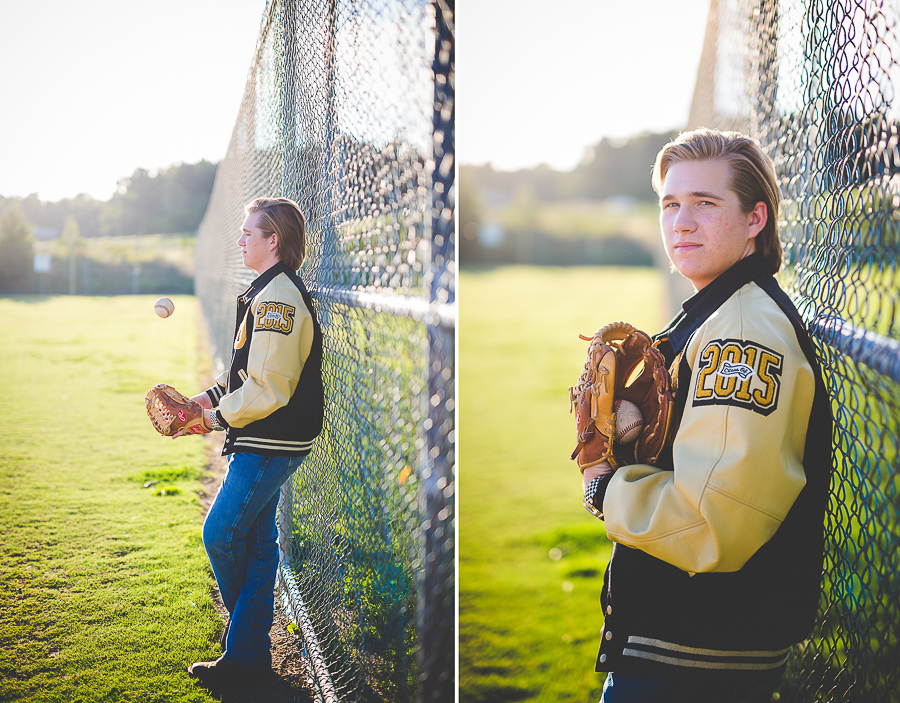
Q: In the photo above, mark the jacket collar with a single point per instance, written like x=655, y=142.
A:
x=696, y=309
x=262, y=281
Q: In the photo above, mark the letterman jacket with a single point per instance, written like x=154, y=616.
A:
x=271, y=399
x=718, y=554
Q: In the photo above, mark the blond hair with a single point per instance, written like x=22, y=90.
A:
x=752, y=177
x=282, y=216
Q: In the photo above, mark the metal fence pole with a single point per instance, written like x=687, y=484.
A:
x=436, y=608
x=290, y=183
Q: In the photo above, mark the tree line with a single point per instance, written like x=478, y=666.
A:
x=171, y=200
x=610, y=168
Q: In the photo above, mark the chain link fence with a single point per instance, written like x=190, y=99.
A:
x=818, y=83
x=349, y=110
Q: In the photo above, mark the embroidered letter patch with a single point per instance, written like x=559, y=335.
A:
x=275, y=317
x=241, y=338
x=735, y=372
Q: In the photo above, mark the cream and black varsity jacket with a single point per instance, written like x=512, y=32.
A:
x=718, y=551
x=271, y=399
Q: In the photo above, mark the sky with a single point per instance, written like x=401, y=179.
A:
x=539, y=81
x=93, y=89
x=90, y=90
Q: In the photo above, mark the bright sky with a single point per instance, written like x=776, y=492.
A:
x=540, y=80
x=90, y=90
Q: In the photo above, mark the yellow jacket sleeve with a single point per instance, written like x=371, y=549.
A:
x=738, y=451
x=280, y=343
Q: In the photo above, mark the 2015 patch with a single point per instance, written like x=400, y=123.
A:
x=741, y=373
x=274, y=317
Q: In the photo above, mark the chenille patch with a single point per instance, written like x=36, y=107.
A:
x=274, y=317
x=740, y=373
x=240, y=338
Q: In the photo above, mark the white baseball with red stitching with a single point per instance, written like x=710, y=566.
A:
x=628, y=421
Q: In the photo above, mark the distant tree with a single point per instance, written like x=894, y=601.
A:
x=82, y=208
x=546, y=184
x=186, y=194
x=111, y=215
x=135, y=208
x=86, y=213
x=17, y=246
x=170, y=201
x=619, y=168
x=611, y=168
x=469, y=210
x=486, y=179
x=71, y=234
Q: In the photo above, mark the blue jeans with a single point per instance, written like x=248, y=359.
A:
x=651, y=688
x=241, y=540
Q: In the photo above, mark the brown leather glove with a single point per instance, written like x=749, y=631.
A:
x=170, y=411
x=622, y=364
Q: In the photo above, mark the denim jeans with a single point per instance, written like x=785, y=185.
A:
x=650, y=688
x=241, y=540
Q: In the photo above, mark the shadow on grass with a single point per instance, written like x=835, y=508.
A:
x=489, y=692
x=275, y=690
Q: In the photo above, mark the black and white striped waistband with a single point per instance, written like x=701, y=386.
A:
x=696, y=657
x=272, y=445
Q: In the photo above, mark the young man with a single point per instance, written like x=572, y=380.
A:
x=718, y=551
x=270, y=404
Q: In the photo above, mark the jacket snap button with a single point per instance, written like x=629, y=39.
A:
x=609, y=610
x=602, y=658
x=609, y=635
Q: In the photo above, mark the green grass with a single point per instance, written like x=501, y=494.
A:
x=531, y=559
x=105, y=593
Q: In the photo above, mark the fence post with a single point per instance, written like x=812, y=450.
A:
x=290, y=185
x=437, y=590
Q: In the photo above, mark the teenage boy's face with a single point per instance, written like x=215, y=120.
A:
x=703, y=227
x=257, y=248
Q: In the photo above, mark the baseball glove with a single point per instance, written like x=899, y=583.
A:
x=622, y=364
x=170, y=411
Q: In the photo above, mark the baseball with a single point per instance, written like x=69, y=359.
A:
x=628, y=421
x=164, y=307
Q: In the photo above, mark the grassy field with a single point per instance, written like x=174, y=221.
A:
x=531, y=558
x=105, y=593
